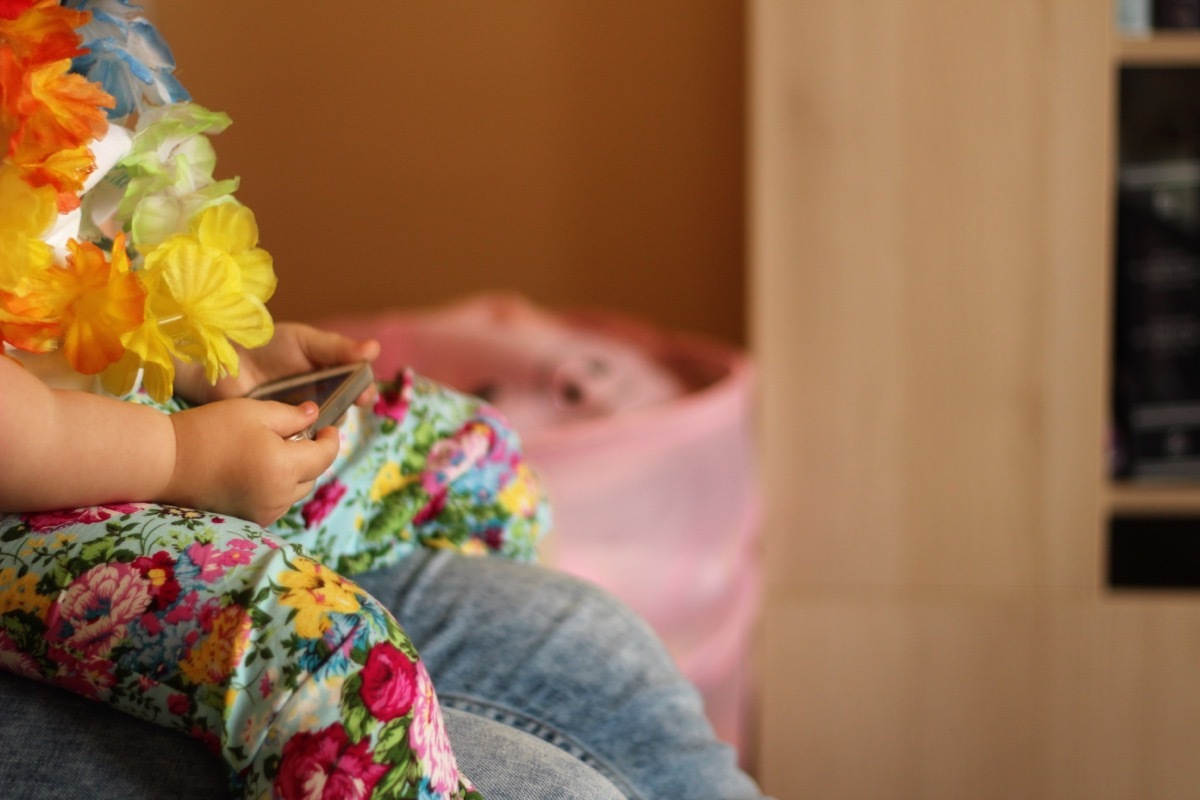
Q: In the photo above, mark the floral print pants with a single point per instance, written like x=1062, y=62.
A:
x=251, y=639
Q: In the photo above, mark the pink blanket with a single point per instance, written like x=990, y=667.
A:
x=644, y=441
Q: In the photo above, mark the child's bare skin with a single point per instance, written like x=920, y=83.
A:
x=66, y=449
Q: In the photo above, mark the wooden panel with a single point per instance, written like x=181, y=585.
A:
x=1076, y=301
x=917, y=315
x=929, y=257
x=404, y=153
x=901, y=268
x=1121, y=699
x=1043, y=697
x=892, y=699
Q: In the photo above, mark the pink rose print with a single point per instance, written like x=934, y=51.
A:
x=389, y=682
x=324, y=500
x=450, y=458
x=393, y=402
x=92, y=614
x=204, y=556
x=240, y=551
x=323, y=765
x=213, y=562
x=427, y=736
x=48, y=521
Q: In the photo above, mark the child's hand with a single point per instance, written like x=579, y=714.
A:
x=233, y=457
x=295, y=348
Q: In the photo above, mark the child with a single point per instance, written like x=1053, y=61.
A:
x=206, y=622
x=203, y=619
x=161, y=594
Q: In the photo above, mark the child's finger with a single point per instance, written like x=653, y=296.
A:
x=328, y=348
x=319, y=453
x=286, y=419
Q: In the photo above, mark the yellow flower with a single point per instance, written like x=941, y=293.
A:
x=221, y=649
x=148, y=348
x=521, y=496
x=207, y=290
x=473, y=547
x=388, y=480
x=231, y=227
x=314, y=591
x=25, y=214
x=20, y=594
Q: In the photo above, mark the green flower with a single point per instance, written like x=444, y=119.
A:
x=168, y=173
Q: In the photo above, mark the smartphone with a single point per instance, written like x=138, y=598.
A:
x=333, y=390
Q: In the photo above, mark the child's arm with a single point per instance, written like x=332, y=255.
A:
x=66, y=449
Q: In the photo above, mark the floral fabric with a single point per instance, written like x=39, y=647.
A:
x=247, y=638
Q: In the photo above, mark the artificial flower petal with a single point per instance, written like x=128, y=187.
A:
x=26, y=213
x=162, y=215
x=232, y=228
x=258, y=273
x=65, y=171
x=148, y=350
x=65, y=110
x=213, y=308
x=30, y=335
x=41, y=31
x=24, y=257
x=111, y=304
x=128, y=56
x=95, y=300
x=200, y=281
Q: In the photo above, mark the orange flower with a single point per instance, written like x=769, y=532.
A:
x=95, y=301
x=44, y=31
x=50, y=115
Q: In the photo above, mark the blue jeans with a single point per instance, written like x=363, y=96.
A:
x=594, y=708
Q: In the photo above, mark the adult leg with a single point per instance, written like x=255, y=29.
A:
x=559, y=658
x=58, y=745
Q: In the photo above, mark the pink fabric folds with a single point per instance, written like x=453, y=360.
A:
x=644, y=440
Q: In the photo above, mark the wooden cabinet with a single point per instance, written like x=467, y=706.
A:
x=1165, y=52
x=930, y=227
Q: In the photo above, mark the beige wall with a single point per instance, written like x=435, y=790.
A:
x=404, y=153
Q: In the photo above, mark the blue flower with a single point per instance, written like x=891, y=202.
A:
x=155, y=654
x=127, y=56
x=330, y=655
x=426, y=791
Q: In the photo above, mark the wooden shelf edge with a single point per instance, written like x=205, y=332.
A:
x=1158, y=49
x=1154, y=498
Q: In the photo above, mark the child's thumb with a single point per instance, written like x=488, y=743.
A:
x=286, y=420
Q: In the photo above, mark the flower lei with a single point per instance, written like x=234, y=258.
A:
x=154, y=262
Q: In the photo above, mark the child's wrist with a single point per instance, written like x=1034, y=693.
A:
x=167, y=432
